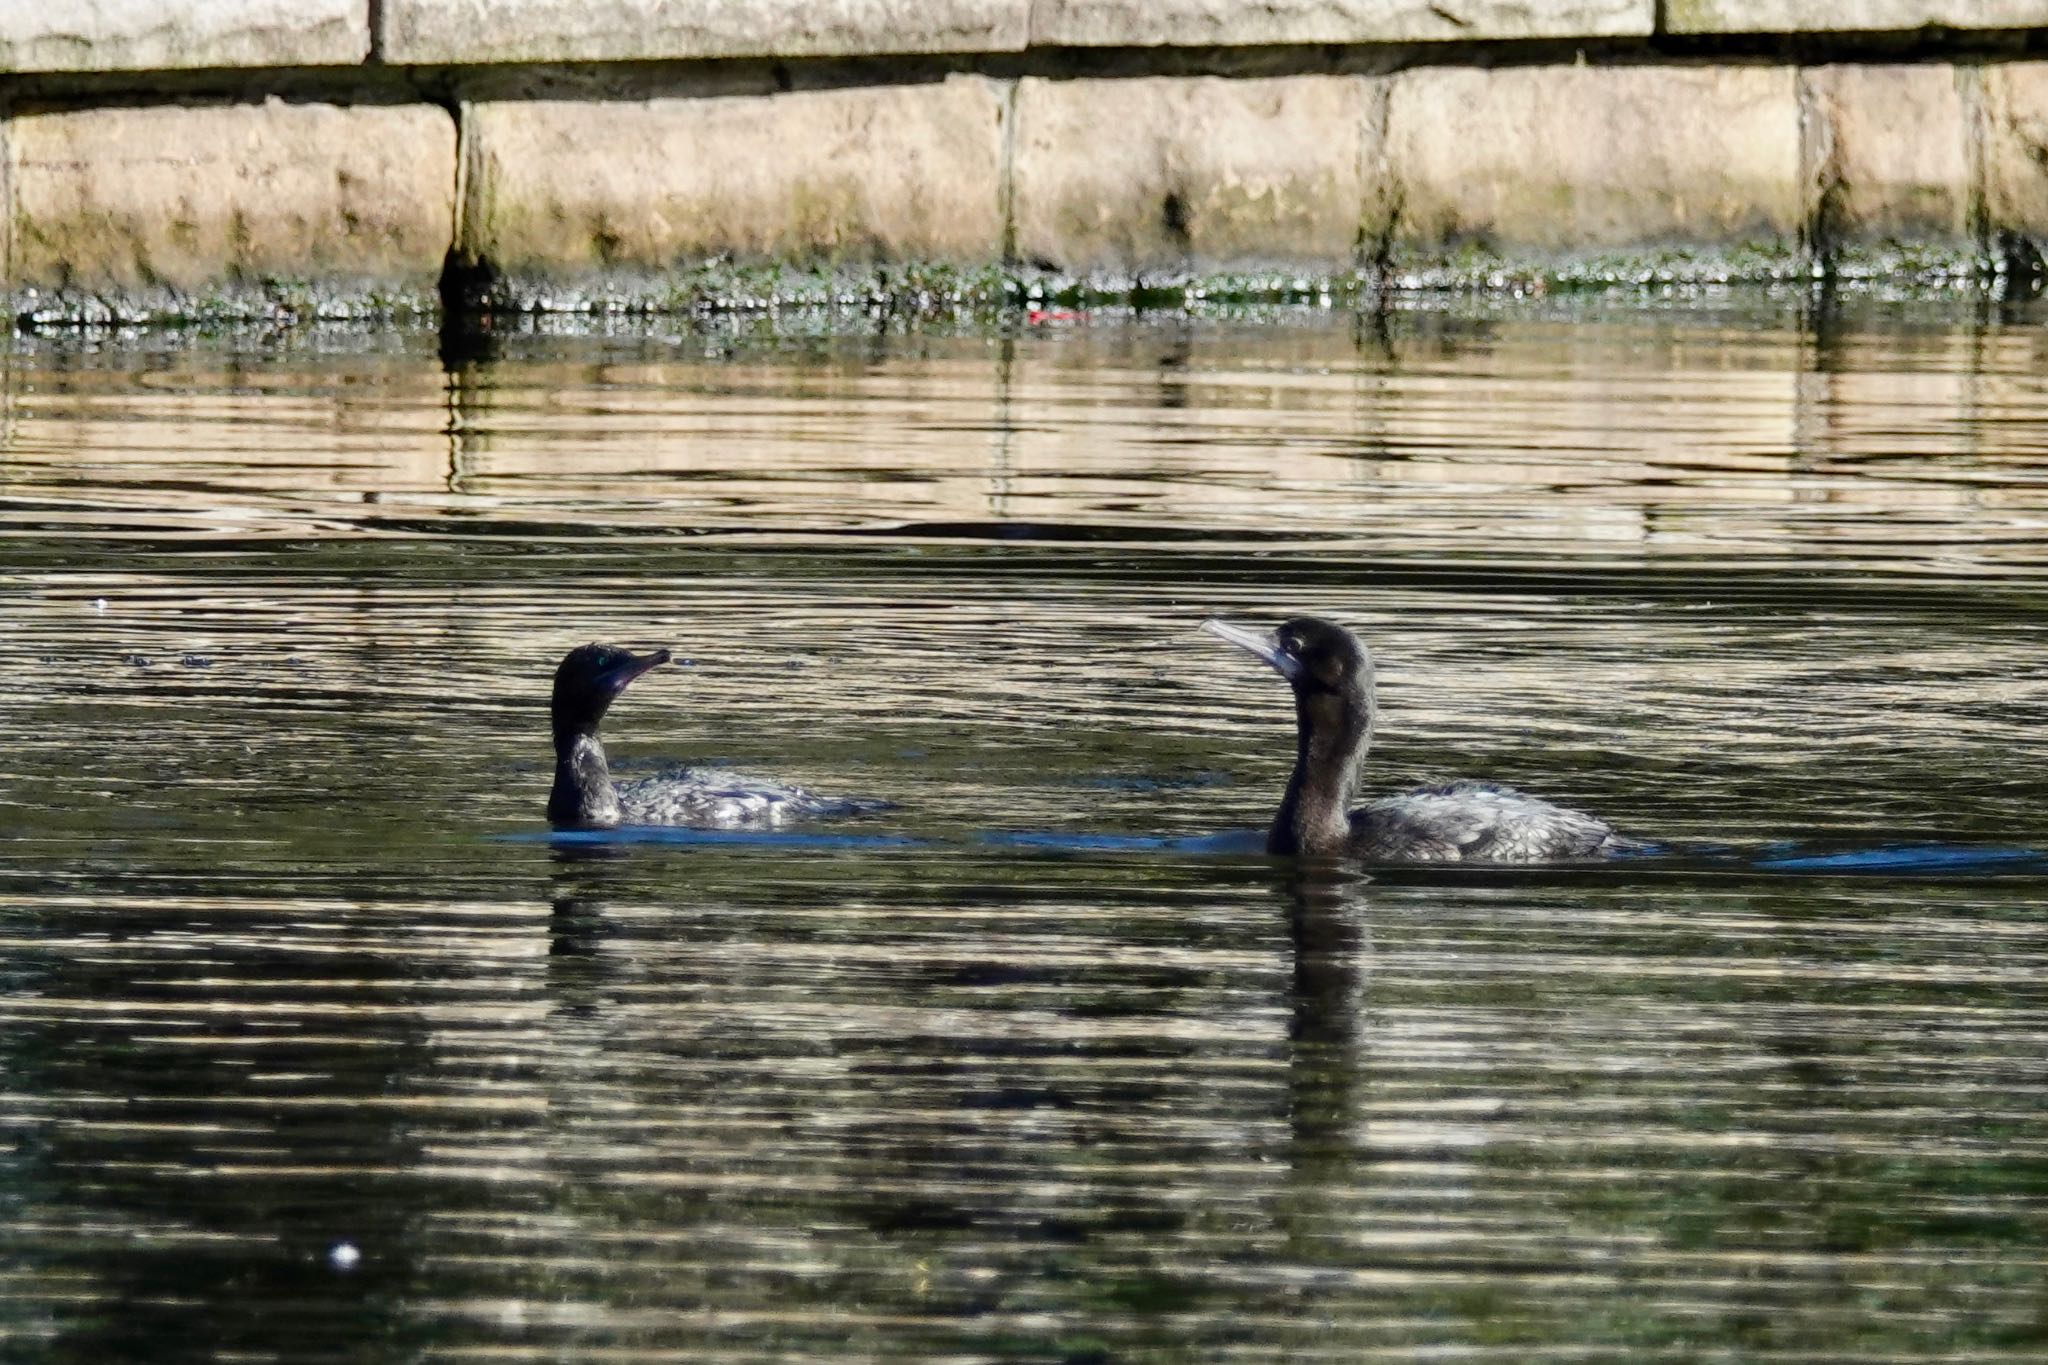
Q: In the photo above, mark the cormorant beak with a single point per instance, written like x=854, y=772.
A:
x=1283, y=663
x=616, y=677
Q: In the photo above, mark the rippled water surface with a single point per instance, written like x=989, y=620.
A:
x=314, y=1045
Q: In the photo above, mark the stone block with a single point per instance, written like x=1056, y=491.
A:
x=1232, y=23
x=143, y=35
x=1579, y=158
x=583, y=189
x=1181, y=173
x=1863, y=16
x=1894, y=154
x=2014, y=150
x=164, y=205
x=473, y=31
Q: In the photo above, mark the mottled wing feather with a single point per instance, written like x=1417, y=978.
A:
x=714, y=798
x=1475, y=822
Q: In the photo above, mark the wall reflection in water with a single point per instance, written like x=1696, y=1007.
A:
x=1763, y=427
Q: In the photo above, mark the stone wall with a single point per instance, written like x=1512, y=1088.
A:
x=238, y=157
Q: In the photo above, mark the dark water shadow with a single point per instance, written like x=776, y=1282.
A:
x=1332, y=951
x=170, y=1103
x=583, y=880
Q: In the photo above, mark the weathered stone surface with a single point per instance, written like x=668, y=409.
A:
x=1232, y=23
x=164, y=207
x=1867, y=16
x=416, y=31
x=135, y=35
x=1894, y=159
x=1170, y=174
x=1579, y=158
x=582, y=189
x=2015, y=148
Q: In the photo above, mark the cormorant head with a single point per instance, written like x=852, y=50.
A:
x=1317, y=657
x=589, y=679
x=1331, y=675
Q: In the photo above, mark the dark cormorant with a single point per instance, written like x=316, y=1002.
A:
x=1331, y=674
x=588, y=681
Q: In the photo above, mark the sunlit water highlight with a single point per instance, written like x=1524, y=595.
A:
x=316, y=1044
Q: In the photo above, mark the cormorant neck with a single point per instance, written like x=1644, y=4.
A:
x=1332, y=733
x=583, y=795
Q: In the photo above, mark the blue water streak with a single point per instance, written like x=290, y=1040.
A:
x=1912, y=858
x=685, y=836
x=1230, y=841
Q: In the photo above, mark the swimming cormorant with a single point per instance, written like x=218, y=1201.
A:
x=1331, y=674
x=584, y=796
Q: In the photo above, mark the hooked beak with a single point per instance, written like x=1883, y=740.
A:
x=1286, y=665
x=619, y=675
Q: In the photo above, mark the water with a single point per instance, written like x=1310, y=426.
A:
x=315, y=1046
